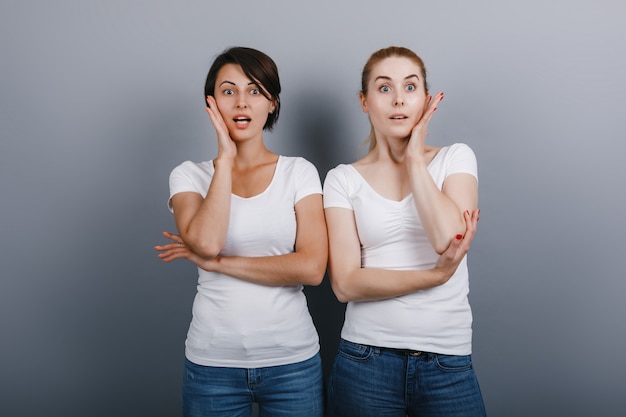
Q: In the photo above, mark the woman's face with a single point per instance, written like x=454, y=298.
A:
x=396, y=97
x=240, y=101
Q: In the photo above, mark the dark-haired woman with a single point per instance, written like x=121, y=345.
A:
x=253, y=223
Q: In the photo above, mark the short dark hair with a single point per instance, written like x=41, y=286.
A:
x=257, y=66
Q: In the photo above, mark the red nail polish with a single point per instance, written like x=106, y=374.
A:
x=459, y=237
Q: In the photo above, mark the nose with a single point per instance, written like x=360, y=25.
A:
x=241, y=102
x=398, y=99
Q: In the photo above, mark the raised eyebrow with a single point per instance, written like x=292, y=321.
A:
x=384, y=77
x=233, y=84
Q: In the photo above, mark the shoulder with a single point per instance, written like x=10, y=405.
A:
x=297, y=162
x=191, y=168
x=457, y=150
x=341, y=170
x=455, y=158
x=298, y=175
x=342, y=175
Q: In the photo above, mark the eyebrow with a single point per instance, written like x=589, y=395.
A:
x=232, y=83
x=384, y=77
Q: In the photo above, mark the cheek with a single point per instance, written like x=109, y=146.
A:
x=374, y=108
x=221, y=102
x=419, y=104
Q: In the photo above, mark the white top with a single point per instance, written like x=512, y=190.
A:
x=392, y=237
x=237, y=323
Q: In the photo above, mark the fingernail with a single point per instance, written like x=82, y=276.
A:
x=459, y=237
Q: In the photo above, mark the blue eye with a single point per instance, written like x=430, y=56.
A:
x=411, y=87
x=385, y=89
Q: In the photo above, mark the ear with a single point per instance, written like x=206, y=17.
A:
x=363, y=101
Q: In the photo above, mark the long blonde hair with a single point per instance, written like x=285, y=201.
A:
x=375, y=58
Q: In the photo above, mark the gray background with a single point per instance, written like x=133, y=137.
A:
x=99, y=100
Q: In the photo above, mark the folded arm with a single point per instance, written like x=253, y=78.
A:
x=351, y=282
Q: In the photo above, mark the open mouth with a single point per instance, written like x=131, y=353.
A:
x=242, y=120
x=398, y=117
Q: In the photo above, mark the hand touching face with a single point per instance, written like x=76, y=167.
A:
x=240, y=101
x=396, y=97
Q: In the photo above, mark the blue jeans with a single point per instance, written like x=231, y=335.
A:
x=379, y=382
x=294, y=390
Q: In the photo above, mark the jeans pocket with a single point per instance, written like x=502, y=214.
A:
x=355, y=351
x=453, y=363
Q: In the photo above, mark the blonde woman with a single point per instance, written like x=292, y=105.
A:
x=400, y=221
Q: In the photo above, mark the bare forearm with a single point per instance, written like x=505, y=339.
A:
x=369, y=284
x=289, y=269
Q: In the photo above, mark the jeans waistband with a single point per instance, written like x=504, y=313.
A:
x=406, y=352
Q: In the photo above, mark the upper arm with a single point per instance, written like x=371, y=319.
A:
x=462, y=189
x=185, y=205
x=311, y=236
x=344, y=246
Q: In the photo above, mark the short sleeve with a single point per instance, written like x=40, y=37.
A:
x=461, y=159
x=336, y=192
x=190, y=177
x=307, y=179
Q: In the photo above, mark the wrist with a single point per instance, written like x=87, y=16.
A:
x=441, y=276
x=415, y=163
x=223, y=162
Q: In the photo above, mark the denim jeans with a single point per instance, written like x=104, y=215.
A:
x=294, y=390
x=372, y=381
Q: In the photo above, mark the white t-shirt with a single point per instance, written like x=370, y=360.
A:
x=392, y=237
x=237, y=323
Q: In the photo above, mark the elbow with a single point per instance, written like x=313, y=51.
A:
x=340, y=292
x=311, y=267
x=201, y=246
x=316, y=272
x=206, y=250
x=314, y=280
x=441, y=244
x=440, y=248
x=341, y=298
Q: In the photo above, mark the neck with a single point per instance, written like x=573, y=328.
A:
x=252, y=153
x=390, y=148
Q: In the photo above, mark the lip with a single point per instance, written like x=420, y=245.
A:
x=398, y=116
x=242, y=120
